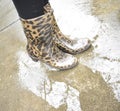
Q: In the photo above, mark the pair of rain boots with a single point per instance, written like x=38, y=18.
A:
x=46, y=43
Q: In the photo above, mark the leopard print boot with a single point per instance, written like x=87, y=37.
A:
x=65, y=43
x=40, y=45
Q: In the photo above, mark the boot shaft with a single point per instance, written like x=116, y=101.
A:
x=38, y=29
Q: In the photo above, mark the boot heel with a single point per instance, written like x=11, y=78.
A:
x=34, y=59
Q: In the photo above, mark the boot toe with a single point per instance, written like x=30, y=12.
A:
x=82, y=45
x=67, y=62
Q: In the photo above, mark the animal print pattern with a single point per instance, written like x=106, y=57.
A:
x=40, y=45
x=64, y=42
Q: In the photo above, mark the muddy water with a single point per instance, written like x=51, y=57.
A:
x=29, y=86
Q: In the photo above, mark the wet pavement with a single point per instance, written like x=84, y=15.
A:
x=94, y=85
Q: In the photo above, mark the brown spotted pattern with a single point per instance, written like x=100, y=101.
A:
x=61, y=40
x=40, y=45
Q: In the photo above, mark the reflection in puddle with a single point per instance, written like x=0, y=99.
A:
x=33, y=77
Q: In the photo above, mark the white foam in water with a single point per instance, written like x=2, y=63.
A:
x=108, y=43
x=33, y=77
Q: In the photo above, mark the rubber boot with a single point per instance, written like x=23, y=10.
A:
x=65, y=43
x=40, y=45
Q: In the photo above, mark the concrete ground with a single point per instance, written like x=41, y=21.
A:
x=94, y=85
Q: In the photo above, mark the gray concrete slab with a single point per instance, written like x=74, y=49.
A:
x=91, y=86
x=8, y=14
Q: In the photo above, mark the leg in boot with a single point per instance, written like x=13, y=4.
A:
x=38, y=30
x=63, y=42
